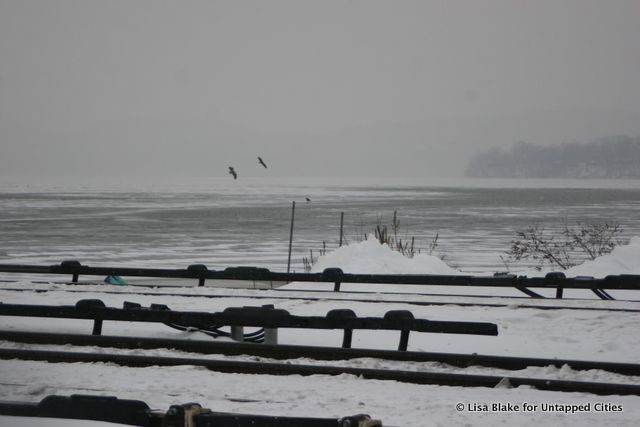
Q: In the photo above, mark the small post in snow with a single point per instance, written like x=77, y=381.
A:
x=341, y=224
x=293, y=211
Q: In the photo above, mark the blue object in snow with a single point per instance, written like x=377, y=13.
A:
x=115, y=280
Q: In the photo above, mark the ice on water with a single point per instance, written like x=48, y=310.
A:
x=220, y=223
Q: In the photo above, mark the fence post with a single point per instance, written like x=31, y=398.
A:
x=347, y=338
x=293, y=211
x=341, y=224
x=237, y=333
x=271, y=336
x=404, y=340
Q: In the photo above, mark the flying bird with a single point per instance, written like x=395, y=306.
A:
x=233, y=172
x=261, y=162
x=307, y=199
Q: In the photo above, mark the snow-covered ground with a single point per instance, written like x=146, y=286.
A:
x=583, y=330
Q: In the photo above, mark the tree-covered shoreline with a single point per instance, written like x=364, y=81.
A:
x=612, y=157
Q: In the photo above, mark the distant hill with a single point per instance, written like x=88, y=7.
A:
x=613, y=157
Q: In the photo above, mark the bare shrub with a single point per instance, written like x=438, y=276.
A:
x=595, y=239
x=569, y=247
x=385, y=234
x=406, y=246
x=308, y=263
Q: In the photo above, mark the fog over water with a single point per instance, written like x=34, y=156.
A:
x=329, y=88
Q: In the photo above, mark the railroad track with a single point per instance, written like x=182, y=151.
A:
x=282, y=351
x=75, y=289
x=261, y=368
x=286, y=352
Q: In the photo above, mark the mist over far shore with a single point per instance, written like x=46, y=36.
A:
x=616, y=157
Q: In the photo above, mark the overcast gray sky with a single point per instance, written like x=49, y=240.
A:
x=317, y=88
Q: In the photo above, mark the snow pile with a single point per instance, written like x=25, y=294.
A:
x=371, y=257
x=622, y=260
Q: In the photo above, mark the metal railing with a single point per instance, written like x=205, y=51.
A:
x=239, y=317
x=136, y=412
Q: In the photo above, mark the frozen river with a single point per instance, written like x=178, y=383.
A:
x=224, y=223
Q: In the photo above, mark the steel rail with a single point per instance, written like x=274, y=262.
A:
x=311, y=352
x=75, y=289
x=342, y=291
x=366, y=300
x=259, y=368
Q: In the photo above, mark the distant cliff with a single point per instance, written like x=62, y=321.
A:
x=613, y=157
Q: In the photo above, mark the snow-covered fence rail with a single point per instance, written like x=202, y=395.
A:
x=239, y=317
x=201, y=273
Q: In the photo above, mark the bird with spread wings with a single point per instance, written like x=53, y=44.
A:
x=233, y=172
